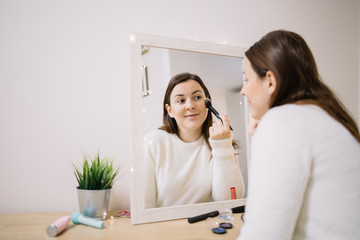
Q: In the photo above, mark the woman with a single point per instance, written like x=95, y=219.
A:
x=304, y=179
x=189, y=159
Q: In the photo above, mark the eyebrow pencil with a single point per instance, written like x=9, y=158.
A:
x=203, y=217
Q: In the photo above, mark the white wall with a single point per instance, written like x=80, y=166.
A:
x=64, y=77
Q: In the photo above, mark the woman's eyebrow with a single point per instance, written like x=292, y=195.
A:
x=181, y=95
x=197, y=91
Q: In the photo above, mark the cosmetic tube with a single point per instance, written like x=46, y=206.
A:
x=233, y=193
x=58, y=226
x=77, y=218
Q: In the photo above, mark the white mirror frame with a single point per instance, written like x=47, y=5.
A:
x=140, y=214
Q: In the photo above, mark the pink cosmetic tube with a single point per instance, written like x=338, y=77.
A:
x=58, y=226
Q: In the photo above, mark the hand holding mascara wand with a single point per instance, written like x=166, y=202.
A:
x=210, y=107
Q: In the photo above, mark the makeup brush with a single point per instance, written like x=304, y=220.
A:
x=210, y=107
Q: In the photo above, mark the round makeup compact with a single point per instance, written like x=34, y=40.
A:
x=219, y=230
x=225, y=225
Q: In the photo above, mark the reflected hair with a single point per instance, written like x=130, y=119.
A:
x=169, y=124
x=287, y=55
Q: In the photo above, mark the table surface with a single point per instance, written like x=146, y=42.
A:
x=33, y=226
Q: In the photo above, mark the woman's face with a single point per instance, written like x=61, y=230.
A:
x=256, y=91
x=187, y=106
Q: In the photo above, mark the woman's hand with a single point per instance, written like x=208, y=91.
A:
x=220, y=129
x=253, y=123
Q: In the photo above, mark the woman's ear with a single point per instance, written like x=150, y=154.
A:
x=168, y=108
x=271, y=82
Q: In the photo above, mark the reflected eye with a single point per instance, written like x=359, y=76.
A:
x=198, y=97
x=180, y=101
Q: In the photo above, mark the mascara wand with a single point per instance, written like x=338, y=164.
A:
x=210, y=107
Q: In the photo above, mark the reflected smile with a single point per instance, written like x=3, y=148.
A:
x=191, y=115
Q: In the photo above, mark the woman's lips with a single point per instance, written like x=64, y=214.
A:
x=191, y=115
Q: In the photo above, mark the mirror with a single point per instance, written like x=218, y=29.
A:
x=154, y=60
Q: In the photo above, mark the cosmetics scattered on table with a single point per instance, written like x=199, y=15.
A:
x=203, y=217
x=240, y=209
x=218, y=221
x=77, y=218
x=233, y=193
x=219, y=230
x=58, y=226
x=220, y=224
x=226, y=225
x=124, y=214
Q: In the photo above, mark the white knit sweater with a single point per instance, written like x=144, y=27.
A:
x=178, y=173
x=304, y=179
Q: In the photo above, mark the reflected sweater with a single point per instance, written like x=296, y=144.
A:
x=304, y=177
x=178, y=173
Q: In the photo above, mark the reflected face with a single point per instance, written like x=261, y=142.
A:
x=256, y=90
x=187, y=107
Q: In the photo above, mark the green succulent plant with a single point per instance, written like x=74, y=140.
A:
x=95, y=174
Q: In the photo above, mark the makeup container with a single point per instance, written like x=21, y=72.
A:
x=58, y=226
x=233, y=193
x=220, y=224
x=225, y=218
x=226, y=215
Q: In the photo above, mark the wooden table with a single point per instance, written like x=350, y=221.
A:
x=33, y=226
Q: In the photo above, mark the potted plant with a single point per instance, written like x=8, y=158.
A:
x=95, y=177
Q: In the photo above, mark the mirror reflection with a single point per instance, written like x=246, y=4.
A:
x=205, y=167
x=154, y=61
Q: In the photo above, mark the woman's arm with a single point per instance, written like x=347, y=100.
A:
x=226, y=170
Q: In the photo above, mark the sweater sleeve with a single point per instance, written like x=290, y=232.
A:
x=226, y=170
x=278, y=176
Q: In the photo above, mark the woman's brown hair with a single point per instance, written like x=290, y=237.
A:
x=288, y=56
